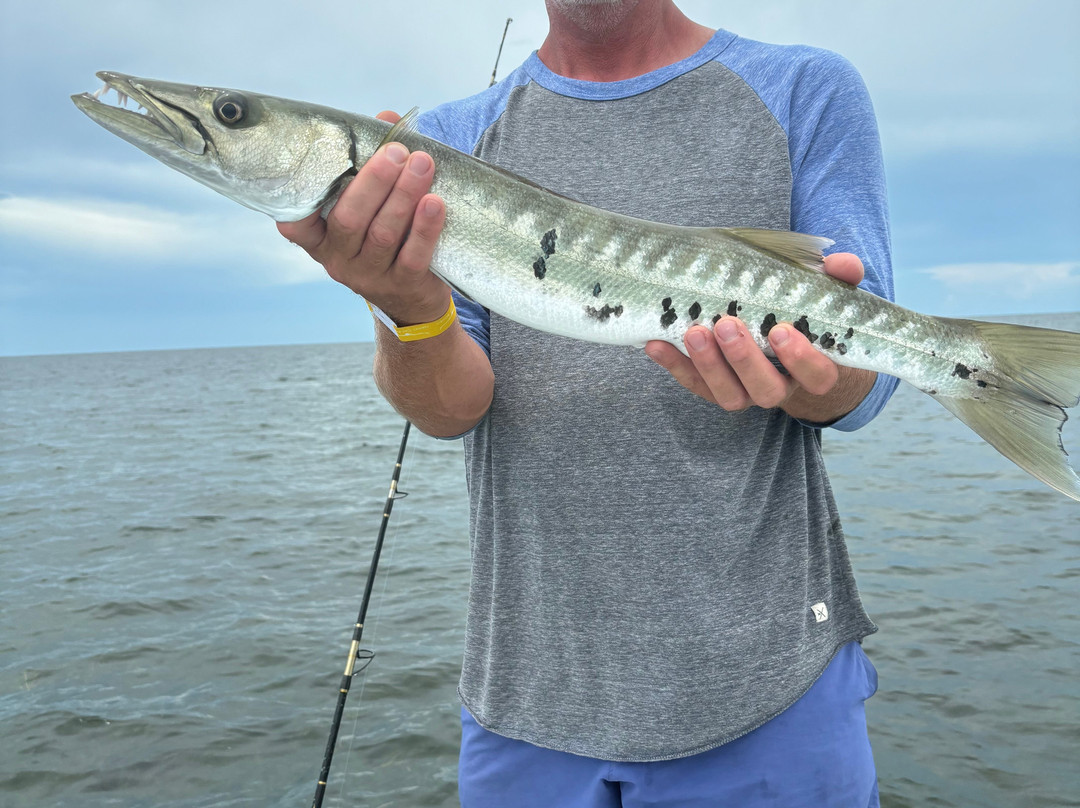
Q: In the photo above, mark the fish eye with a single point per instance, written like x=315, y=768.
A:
x=230, y=108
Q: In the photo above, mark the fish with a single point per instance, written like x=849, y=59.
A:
x=564, y=267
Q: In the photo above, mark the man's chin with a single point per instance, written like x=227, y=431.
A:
x=594, y=16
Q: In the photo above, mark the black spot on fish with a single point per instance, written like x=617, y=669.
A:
x=803, y=327
x=842, y=348
x=547, y=243
x=695, y=310
x=980, y=382
x=933, y=353
x=668, y=317
x=716, y=318
x=849, y=333
x=666, y=303
x=596, y=291
x=604, y=313
x=932, y=392
x=827, y=340
x=733, y=308
x=540, y=268
x=767, y=324
x=961, y=370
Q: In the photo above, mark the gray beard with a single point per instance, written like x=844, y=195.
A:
x=595, y=16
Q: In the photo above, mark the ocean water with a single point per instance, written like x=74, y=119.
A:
x=184, y=537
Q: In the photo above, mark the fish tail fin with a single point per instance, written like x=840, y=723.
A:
x=1022, y=415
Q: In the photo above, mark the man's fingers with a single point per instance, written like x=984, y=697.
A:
x=727, y=367
x=416, y=253
x=387, y=231
x=349, y=220
x=681, y=367
x=765, y=385
x=809, y=367
x=845, y=266
x=725, y=387
x=724, y=366
x=308, y=233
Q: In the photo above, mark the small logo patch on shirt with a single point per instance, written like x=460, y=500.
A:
x=821, y=612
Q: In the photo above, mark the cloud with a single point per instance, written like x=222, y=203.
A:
x=91, y=225
x=1017, y=281
x=130, y=175
x=132, y=236
x=987, y=75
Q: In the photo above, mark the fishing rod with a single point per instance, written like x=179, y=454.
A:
x=499, y=54
x=355, y=651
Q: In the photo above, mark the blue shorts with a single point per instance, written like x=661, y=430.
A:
x=816, y=754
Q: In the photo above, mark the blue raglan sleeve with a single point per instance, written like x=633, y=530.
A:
x=838, y=176
x=838, y=184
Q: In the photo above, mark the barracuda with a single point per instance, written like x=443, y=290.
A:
x=567, y=268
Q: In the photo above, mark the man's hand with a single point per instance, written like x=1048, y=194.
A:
x=378, y=240
x=380, y=235
x=727, y=367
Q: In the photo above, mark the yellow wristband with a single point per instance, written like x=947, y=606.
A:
x=412, y=333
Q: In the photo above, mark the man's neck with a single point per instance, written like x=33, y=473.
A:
x=619, y=41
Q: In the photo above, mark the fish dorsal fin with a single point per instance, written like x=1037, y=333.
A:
x=797, y=249
x=405, y=126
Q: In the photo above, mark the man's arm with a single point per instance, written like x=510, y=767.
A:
x=379, y=240
x=443, y=384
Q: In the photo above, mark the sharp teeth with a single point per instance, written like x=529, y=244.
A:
x=122, y=99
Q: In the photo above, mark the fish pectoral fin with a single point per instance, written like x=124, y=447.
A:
x=797, y=249
x=405, y=126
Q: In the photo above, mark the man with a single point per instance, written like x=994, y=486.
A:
x=662, y=611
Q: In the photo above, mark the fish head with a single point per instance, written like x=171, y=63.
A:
x=282, y=158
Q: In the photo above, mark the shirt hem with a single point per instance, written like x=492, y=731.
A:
x=517, y=735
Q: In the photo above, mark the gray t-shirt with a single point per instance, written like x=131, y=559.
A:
x=654, y=576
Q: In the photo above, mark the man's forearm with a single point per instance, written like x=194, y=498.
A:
x=852, y=386
x=443, y=384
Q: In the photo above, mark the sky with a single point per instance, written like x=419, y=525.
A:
x=103, y=248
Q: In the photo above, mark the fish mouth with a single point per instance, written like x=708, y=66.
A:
x=155, y=122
